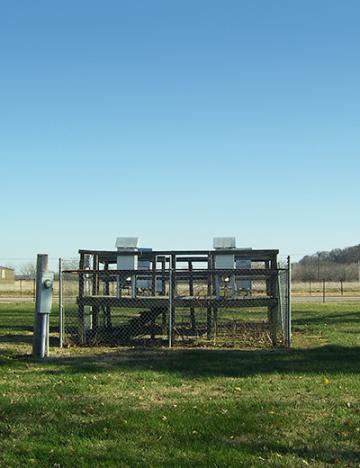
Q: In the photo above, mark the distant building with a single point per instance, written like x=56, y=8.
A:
x=7, y=275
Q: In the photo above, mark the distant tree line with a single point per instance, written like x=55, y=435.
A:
x=335, y=265
x=28, y=270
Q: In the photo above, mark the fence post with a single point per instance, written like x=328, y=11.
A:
x=211, y=289
x=288, y=327
x=342, y=287
x=324, y=291
x=44, y=285
x=61, y=316
x=171, y=302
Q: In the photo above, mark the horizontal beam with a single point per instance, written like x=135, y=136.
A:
x=225, y=302
x=188, y=259
x=163, y=301
x=182, y=273
x=251, y=254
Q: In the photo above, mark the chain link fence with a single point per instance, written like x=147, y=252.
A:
x=175, y=307
x=247, y=307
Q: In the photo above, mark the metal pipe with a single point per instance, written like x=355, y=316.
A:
x=40, y=322
x=47, y=348
x=171, y=291
x=289, y=304
x=61, y=315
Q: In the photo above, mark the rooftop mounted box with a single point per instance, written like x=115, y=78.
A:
x=224, y=261
x=129, y=261
x=223, y=243
x=127, y=243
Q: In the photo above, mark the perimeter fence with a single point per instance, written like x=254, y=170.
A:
x=176, y=307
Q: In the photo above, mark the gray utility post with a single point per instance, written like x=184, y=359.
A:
x=44, y=287
x=288, y=318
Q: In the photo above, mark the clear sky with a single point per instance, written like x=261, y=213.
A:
x=177, y=121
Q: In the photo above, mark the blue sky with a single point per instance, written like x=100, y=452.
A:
x=177, y=121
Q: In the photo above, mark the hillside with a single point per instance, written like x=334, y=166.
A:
x=333, y=265
x=347, y=255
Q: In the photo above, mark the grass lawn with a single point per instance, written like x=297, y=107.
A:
x=125, y=407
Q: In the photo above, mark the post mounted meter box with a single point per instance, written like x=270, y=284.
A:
x=45, y=293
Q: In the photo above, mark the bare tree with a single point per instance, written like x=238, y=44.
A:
x=71, y=264
x=28, y=269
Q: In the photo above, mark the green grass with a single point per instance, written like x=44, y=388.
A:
x=126, y=407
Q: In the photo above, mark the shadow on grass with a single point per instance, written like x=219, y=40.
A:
x=215, y=363
x=13, y=335
x=16, y=338
x=16, y=327
x=333, y=319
